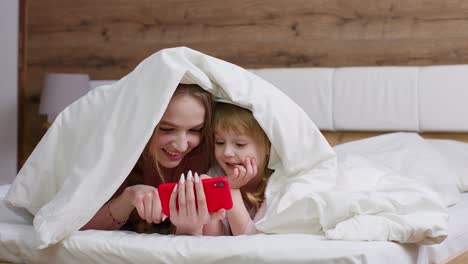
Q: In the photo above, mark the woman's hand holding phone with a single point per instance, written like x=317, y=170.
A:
x=145, y=199
x=243, y=174
x=192, y=212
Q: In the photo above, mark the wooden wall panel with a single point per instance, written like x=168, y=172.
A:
x=108, y=38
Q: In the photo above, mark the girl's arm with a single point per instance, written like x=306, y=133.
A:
x=238, y=216
x=251, y=229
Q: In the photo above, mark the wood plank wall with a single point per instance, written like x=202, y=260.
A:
x=108, y=38
x=22, y=66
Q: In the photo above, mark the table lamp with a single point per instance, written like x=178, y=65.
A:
x=60, y=90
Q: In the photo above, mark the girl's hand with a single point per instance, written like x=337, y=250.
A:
x=243, y=174
x=192, y=214
x=146, y=200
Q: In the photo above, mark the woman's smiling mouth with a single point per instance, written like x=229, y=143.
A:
x=174, y=156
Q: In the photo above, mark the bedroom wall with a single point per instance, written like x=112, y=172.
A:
x=9, y=89
x=108, y=38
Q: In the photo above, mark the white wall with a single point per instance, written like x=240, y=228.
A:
x=9, y=14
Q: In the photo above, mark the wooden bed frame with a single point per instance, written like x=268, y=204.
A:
x=335, y=138
x=107, y=39
x=461, y=258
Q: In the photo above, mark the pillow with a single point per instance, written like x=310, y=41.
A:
x=411, y=156
x=456, y=155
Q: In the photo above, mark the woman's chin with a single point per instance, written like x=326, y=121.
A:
x=170, y=161
x=169, y=164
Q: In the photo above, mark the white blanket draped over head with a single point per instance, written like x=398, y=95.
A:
x=94, y=143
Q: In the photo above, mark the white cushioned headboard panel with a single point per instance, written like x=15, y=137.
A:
x=430, y=98
x=311, y=88
x=443, y=98
x=375, y=98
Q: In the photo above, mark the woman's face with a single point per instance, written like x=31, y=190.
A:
x=179, y=130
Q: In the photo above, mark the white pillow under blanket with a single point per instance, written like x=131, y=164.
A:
x=456, y=155
x=409, y=155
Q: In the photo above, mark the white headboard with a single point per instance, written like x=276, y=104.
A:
x=431, y=98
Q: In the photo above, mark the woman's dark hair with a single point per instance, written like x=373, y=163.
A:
x=204, y=149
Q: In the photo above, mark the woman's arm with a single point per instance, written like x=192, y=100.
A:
x=103, y=220
x=114, y=214
x=106, y=218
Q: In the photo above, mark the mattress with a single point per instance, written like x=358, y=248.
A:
x=17, y=244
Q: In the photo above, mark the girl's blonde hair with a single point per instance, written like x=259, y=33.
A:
x=229, y=117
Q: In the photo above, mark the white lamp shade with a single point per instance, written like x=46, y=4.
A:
x=60, y=90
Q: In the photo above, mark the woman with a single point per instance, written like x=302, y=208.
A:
x=181, y=141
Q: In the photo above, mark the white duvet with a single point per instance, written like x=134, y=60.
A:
x=93, y=144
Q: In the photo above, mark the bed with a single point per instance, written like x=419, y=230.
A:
x=324, y=95
x=17, y=236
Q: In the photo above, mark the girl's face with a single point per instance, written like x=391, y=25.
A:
x=179, y=130
x=233, y=148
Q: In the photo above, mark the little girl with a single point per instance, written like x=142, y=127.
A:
x=242, y=153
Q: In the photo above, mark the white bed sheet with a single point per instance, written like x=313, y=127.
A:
x=456, y=242
x=17, y=245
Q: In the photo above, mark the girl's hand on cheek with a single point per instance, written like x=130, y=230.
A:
x=242, y=174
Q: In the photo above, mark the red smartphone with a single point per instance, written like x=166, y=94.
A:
x=217, y=193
